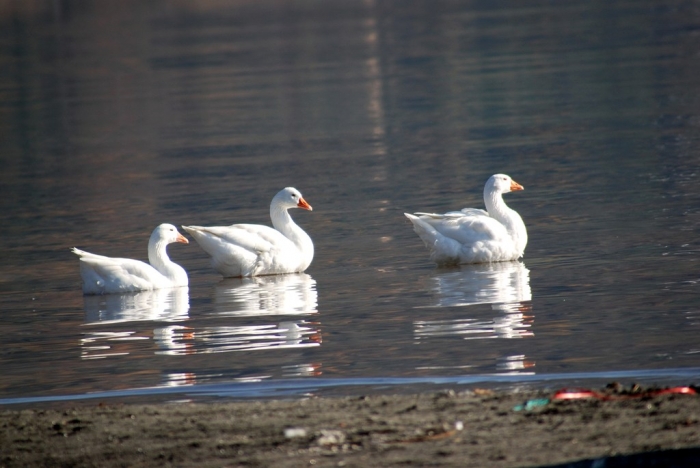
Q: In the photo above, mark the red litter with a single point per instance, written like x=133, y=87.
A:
x=577, y=393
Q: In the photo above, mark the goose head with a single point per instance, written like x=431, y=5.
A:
x=290, y=198
x=168, y=233
x=501, y=183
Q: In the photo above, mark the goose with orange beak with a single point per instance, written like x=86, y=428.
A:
x=105, y=275
x=255, y=249
x=473, y=235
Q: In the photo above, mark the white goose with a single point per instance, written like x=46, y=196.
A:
x=103, y=275
x=254, y=249
x=472, y=235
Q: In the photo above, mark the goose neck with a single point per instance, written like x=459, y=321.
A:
x=495, y=205
x=281, y=220
x=158, y=254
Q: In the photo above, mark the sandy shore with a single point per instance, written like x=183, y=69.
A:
x=472, y=429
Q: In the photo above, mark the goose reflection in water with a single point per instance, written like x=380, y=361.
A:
x=164, y=305
x=505, y=286
x=170, y=305
x=260, y=297
x=177, y=379
x=180, y=340
x=292, y=294
x=488, y=283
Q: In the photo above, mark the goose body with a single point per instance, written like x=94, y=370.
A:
x=473, y=235
x=104, y=275
x=254, y=249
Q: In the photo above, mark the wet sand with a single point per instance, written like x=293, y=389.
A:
x=477, y=428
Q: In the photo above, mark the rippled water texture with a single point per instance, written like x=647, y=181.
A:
x=118, y=116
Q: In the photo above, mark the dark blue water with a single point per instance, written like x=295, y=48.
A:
x=116, y=118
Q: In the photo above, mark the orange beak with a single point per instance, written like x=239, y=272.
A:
x=181, y=238
x=514, y=186
x=303, y=205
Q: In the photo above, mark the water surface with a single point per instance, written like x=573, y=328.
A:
x=114, y=119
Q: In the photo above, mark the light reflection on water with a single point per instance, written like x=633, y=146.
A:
x=202, y=112
x=104, y=344
x=510, y=325
x=178, y=340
